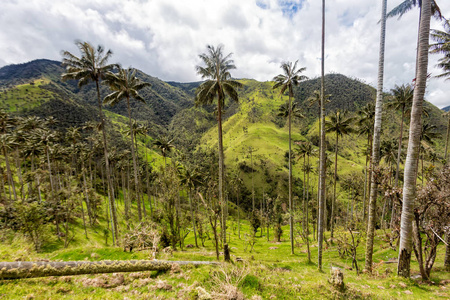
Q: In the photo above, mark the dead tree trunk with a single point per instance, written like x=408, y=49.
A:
x=27, y=269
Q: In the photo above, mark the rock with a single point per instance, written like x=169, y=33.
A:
x=415, y=277
x=393, y=286
x=402, y=284
x=381, y=287
x=95, y=255
x=273, y=248
x=189, y=246
x=408, y=292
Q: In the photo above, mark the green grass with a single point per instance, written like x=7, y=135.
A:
x=269, y=273
x=25, y=96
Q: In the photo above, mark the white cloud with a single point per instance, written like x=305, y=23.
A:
x=164, y=38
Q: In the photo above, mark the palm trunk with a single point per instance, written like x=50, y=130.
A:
x=133, y=154
x=409, y=186
x=8, y=170
x=322, y=177
x=334, y=191
x=221, y=164
x=376, y=146
x=399, y=152
x=193, y=218
x=447, y=138
x=291, y=220
x=111, y=197
x=365, y=181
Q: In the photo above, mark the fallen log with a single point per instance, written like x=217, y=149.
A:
x=28, y=269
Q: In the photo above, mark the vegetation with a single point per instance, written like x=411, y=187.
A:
x=163, y=178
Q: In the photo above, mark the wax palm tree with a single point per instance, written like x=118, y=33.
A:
x=92, y=67
x=125, y=85
x=286, y=82
x=323, y=155
x=218, y=84
x=409, y=185
x=165, y=146
x=340, y=125
x=401, y=100
x=365, y=127
x=376, y=145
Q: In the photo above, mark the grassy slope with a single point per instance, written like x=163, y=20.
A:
x=271, y=142
x=271, y=272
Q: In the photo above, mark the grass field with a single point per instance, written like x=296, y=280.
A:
x=269, y=271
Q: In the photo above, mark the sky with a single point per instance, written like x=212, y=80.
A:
x=163, y=38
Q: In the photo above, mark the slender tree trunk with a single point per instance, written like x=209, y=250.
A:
x=291, y=219
x=418, y=247
x=322, y=171
x=221, y=163
x=88, y=205
x=376, y=146
x=133, y=154
x=365, y=181
x=334, y=191
x=239, y=216
x=307, y=214
x=193, y=218
x=410, y=179
x=399, y=151
x=108, y=174
x=8, y=171
x=447, y=138
x=447, y=251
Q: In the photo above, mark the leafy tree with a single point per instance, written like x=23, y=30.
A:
x=219, y=84
x=92, y=66
x=165, y=146
x=125, y=85
x=286, y=82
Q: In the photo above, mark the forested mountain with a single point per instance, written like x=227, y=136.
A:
x=18, y=81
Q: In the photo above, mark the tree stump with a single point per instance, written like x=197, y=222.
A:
x=226, y=253
x=337, y=278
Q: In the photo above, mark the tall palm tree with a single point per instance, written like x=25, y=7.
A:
x=340, y=125
x=376, y=144
x=286, y=82
x=365, y=127
x=323, y=155
x=409, y=185
x=401, y=100
x=125, y=85
x=92, y=66
x=218, y=84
